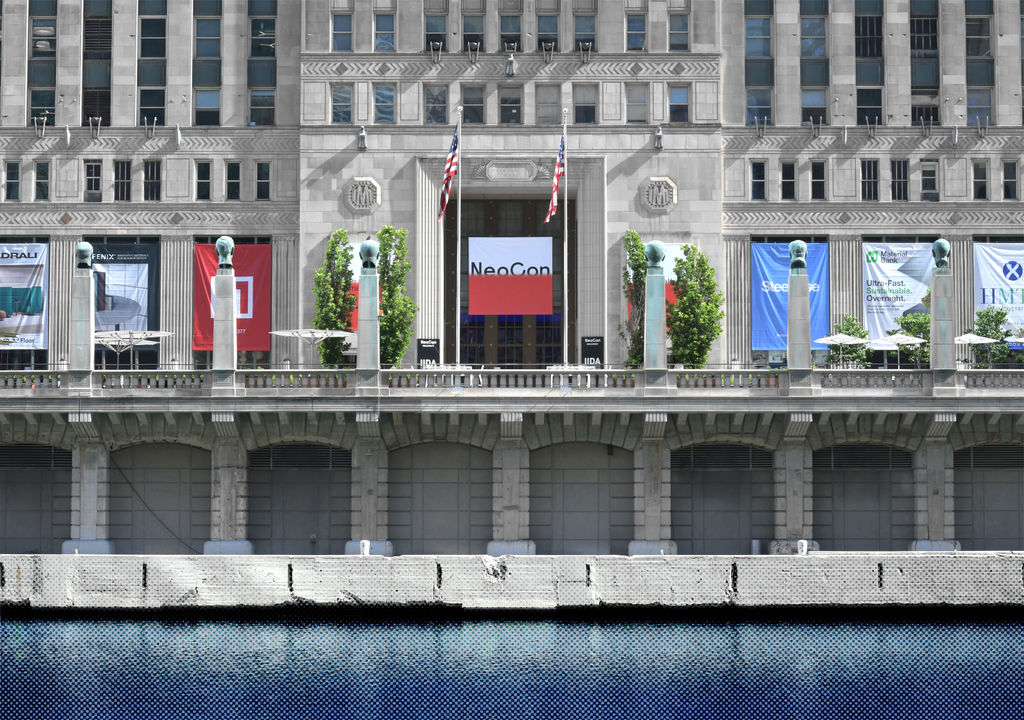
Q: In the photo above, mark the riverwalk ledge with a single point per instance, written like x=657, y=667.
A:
x=511, y=582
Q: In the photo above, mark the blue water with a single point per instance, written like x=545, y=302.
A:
x=513, y=669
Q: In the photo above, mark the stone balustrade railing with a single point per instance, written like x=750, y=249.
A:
x=497, y=381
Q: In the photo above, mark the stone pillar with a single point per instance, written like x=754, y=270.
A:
x=177, y=268
x=83, y=319
x=934, y=523
x=229, y=496
x=225, y=333
x=511, y=491
x=943, y=358
x=794, y=518
x=369, y=487
x=798, y=342
x=655, y=352
x=90, y=489
x=652, y=494
x=368, y=333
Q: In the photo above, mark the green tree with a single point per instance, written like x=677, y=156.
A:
x=398, y=311
x=695, y=319
x=334, y=302
x=634, y=287
x=917, y=325
x=990, y=323
x=850, y=355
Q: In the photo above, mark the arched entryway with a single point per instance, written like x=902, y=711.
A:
x=863, y=498
x=300, y=500
x=159, y=499
x=722, y=498
x=581, y=499
x=439, y=499
x=988, y=502
x=35, y=498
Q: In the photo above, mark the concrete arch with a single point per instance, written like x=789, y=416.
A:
x=988, y=496
x=44, y=429
x=902, y=431
x=618, y=430
x=680, y=441
x=401, y=430
x=259, y=430
x=440, y=498
x=973, y=430
x=200, y=443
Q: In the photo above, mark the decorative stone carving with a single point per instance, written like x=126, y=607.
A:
x=510, y=170
x=363, y=194
x=225, y=251
x=83, y=255
x=658, y=194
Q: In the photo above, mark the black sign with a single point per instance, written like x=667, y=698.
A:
x=428, y=352
x=593, y=351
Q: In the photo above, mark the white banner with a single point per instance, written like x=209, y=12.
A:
x=897, y=282
x=23, y=296
x=999, y=279
x=510, y=256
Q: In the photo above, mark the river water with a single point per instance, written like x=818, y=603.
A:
x=508, y=669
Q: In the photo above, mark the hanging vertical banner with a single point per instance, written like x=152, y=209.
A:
x=252, y=296
x=769, y=295
x=999, y=279
x=897, y=282
x=126, y=279
x=23, y=296
x=510, y=276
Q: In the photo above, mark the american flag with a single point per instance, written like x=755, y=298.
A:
x=451, y=167
x=559, y=174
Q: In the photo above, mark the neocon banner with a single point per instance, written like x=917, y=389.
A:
x=127, y=281
x=23, y=296
x=252, y=296
x=769, y=272
x=999, y=279
x=897, y=281
x=510, y=276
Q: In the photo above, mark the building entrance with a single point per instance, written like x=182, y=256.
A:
x=508, y=340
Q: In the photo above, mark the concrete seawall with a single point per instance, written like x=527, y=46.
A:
x=137, y=582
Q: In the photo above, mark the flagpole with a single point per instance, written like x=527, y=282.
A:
x=565, y=240
x=458, y=243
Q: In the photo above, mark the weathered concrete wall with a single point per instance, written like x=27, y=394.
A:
x=511, y=582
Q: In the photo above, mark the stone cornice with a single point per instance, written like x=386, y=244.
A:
x=133, y=141
x=61, y=218
x=792, y=140
x=859, y=217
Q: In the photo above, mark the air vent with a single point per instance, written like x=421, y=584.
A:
x=300, y=456
x=990, y=457
x=716, y=457
x=35, y=456
x=878, y=457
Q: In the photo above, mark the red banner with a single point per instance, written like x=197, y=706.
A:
x=510, y=276
x=252, y=296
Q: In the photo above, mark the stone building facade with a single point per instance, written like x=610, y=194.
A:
x=690, y=121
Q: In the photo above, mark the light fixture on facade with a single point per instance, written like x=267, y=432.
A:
x=585, y=51
x=474, y=50
x=361, y=138
x=549, y=49
x=94, y=125
x=39, y=123
x=435, y=50
x=659, y=139
x=510, y=65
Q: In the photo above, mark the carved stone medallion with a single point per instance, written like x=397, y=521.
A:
x=363, y=194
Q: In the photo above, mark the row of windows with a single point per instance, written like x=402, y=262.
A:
x=151, y=180
x=548, y=104
x=510, y=37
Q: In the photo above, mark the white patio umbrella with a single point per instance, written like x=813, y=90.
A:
x=884, y=345
x=973, y=339
x=841, y=339
x=902, y=339
x=120, y=340
x=315, y=336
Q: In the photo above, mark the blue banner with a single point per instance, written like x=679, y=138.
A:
x=769, y=271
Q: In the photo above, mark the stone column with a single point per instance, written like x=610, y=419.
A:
x=934, y=524
x=368, y=333
x=229, y=496
x=225, y=331
x=943, y=359
x=511, y=491
x=655, y=352
x=83, y=319
x=652, y=494
x=794, y=519
x=798, y=323
x=176, y=281
x=369, y=488
x=90, y=489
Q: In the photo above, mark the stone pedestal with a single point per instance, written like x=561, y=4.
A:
x=798, y=339
x=934, y=521
x=655, y=346
x=90, y=470
x=229, y=504
x=943, y=357
x=511, y=494
x=369, y=496
x=368, y=333
x=793, y=498
x=81, y=354
x=225, y=333
x=652, y=491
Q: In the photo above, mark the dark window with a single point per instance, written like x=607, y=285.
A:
x=757, y=180
x=153, y=38
x=636, y=32
x=12, y=188
x=151, y=180
x=868, y=179
x=262, y=37
x=789, y=181
x=151, y=107
x=900, y=185
x=342, y=40
x=547, y=32
x=679, y=103
x=207, y=107
x=930, y=180
x=262, y=181
x=584, y=100
x=436, y=32
x=759, y=106
x=384, y=104
x=868, y=36
x=869, y=106
x=980, y=180
x=93, y=178
x=510, y=101
x=759, y=37
x=473, y=104
x=233, y=187
x=203, y=180
x=473, y=32
x=549, y=104
x=261, y=107
x=817, y=181
x=435, y=104
x=814, y=106
x=584, y=32
x=42, y=181
x=679, y=32
x=1009, y=180
x=384, y=33
x=511, y=33
x=341, y=104
x=123, y=180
